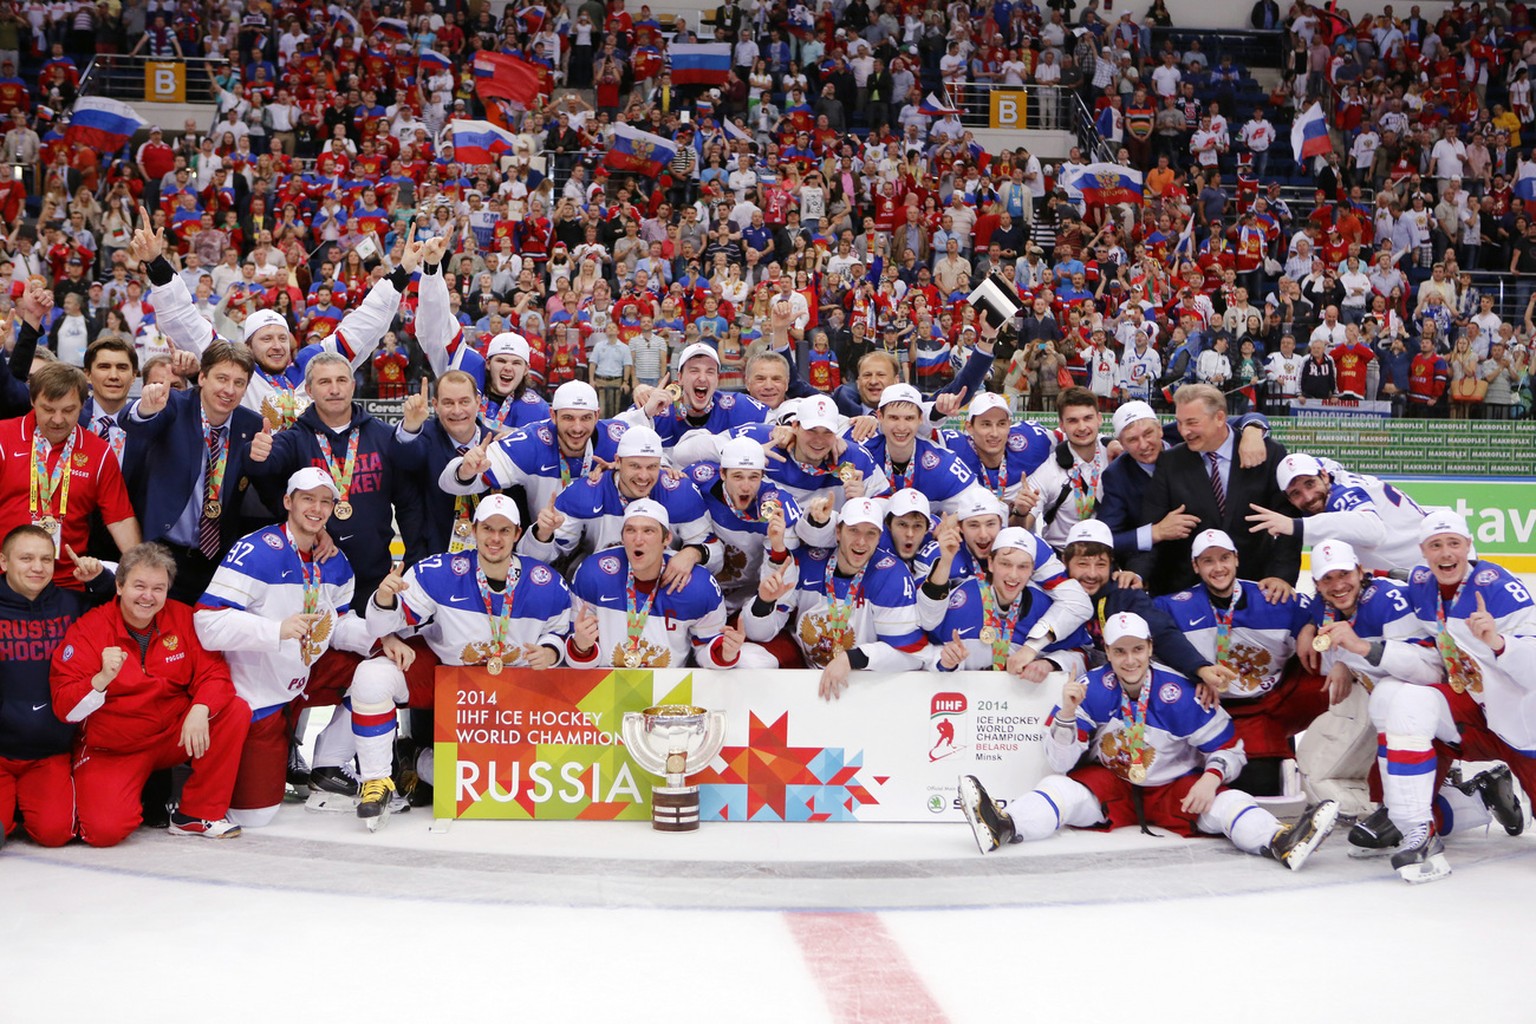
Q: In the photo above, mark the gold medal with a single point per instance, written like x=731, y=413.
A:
x=988, y=635
x=847, y=472
x=1137, y=773
x=1322, y=643
x=461, y=528
x=49, y=525
x=631, y=659
x=675, y=392
x=212, y=509
x=343, y=510
x=494, y=666
x=770, y=508
x=1457, y=684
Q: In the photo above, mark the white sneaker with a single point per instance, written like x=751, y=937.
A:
x=221, y=829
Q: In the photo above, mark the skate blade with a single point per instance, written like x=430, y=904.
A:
x=1431, y=870
x=983, y=836
x=1322, y=828
x=1372, y=852
x=323, y=802
x=377, y=822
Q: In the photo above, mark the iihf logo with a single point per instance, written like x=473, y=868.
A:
x=943, y=710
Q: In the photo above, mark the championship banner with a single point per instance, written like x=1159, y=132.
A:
x=548, y=745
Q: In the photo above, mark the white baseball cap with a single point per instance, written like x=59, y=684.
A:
x=508, y=344
x=906, y=501
x=739, y=453
x=698, y=349
x=1331, y=555
x=262, y=318
x=978, y=501
x=818, y=411
x=1016, y=538
x=1131, y=412
x=1293, y=466
x=1207, y=539
x=900, y=393
x=787, y=412
x=647, y=508
x=639, y=442
x=985, y=403
x=1443, y=521
x=575, y=394
x=498, y=505
x=1089, y=531
x=311, y=477
x=1124, y=624
x=862, y=510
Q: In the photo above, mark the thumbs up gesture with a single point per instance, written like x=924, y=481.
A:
x=417, y=407
x=390, y=587
x=261, y=444
x=586, y=630
x=1485, y=627
x=548, y=522
x=953, y=654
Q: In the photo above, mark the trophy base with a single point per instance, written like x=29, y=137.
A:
x=675, y=808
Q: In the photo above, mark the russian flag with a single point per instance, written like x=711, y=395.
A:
x=531, y=19
x=503, y=76
x=340, y=16
x=638, y=152
x=935, y=107
x=734, y=131
x=802, y=23
x=700, y=63
x=1525, y=181
x=1309, y=134
x=392, y=28
x=102, y=124
x=479, y=142
x=1108, y=184
x=435, y=60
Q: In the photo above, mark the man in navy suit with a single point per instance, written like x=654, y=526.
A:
x=186, y=461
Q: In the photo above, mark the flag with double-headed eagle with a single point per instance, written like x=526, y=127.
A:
x=637, y=152
x=1108, y=184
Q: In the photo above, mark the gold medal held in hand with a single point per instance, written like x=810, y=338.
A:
x=847, y=472
x=675, y=392
x=1322, y=642
x=771, y=507
x=343, y=510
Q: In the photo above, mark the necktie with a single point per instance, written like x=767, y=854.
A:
x=104, y=427
x=1217, y=488
x=208, y=526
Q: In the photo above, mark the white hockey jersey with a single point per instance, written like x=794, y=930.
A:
x=743, y=536
x=966, y=615
x=594, y=517
x=1377, y=519
x=1384, y=613
x=675, y=626
x=1262, y=637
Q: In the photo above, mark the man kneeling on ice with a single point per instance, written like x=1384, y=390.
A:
x=1162, y=759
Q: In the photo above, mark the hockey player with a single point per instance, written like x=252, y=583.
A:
x=905, y=459
x=1483, y=623
x=1374, y=638
x=694, y=402
x=485, y=606
x=1230, y=623
x=997, y=619
x=35, y=743
x=1161, y=759
x=282, y=620
x=1001, y=454
x=853, y=607
x=278, y=390
x=755, y=521
x=1380, y=522
x=589, y=515
x=1069, y=483
x=148, y=695
x=543, y=458
x=909, y=521
x=821, y=459
x=501, y=375
x=627, y=617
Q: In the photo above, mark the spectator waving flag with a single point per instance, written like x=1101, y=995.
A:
x=1525, y=181
x=1309, y=134
x=102, y=124
x=479, y=142
x=341, y=17
x=503, y=76
x=435, y=61
x=639, y=152
x=802, y=23
x=735, y=131
x=935, y=107
x=700, y=63
x=393, y=28
x=1108, y=184
x=531, y=19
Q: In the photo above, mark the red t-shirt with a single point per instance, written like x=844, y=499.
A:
x=95, y=482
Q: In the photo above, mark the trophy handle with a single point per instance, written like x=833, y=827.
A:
x=633, y=731
x=714, y=739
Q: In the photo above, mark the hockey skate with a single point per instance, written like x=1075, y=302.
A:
x=991, y=827
x=1293, y=844
x=221, y=829
x=413, y=789
x=298, y=770
x=1374, y=836
x=332, y=788
x=375, y=803
x=1496, y=788
x=1422, y=858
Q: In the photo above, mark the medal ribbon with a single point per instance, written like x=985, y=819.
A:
x=1001, y=487
x=1224, y=625
x=287, y=397
x=565, y=466
x=311, y=574
x=635, y=616
x=213, y=484
x=1445, y=644
x=840, y=613
x=342, y=477
x=1085, y=481
x=501, y=624
x=899, y=481
x=45, y=485
x=499, y=419
x=1001, y=624
x=1135, y=718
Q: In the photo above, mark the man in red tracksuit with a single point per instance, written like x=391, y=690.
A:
x=148, y=696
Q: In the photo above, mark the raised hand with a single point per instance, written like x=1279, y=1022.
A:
x=411, y=257
x=948, y=536
x=112, y=660
x=774, y=586
x=433, y=250
x=261, y=442
x=819, y=511
x=153, y=398
x=953, y=654
x=949, y=403
x=146, y=245
x=775, y=531
x=35, y=303
x=550, y=519
x=391, y=587
x=86, y=567
x=732, y=639
x=1073, y=693
x=1485, y=627
x=298, y=625
x=854, y=486
x=417, y=407
x=586, y=630
x=475, y=461
x=184, y=363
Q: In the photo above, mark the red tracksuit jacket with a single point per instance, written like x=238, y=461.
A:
x=145, y=702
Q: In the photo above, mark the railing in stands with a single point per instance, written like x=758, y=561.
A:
x=122, y=76
x=1046, y=107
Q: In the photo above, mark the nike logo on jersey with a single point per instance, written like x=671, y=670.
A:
x=1198, y=622
x=457, y=600
x=39, y=707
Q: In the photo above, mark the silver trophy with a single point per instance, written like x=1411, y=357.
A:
x=674, y=741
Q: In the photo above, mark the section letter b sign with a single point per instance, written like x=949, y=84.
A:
x=1008, y=108
x=165, y=82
